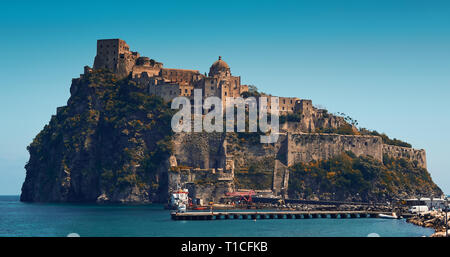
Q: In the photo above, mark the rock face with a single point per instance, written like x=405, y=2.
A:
x=110, y=143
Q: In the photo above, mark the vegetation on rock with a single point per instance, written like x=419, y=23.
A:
x=348, y=177
x=385, y=138
x=258, y=175
x=109, y=139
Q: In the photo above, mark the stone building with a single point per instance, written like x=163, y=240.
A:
x=201, y=158
x=115, y=55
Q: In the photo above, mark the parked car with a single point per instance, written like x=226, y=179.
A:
x=418, y=209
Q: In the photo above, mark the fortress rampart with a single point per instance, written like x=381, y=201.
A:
x=414, y=155
x=305, y=147
x=207, y=157
x=213, y=150
x=309, y=147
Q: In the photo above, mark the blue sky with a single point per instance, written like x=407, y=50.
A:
x=385, y=63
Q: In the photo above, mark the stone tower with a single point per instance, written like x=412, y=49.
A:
x=115, y=55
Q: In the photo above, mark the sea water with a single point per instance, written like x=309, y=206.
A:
x=19, y=219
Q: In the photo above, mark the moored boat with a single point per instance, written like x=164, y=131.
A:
x=386, y=216
x=179, y=199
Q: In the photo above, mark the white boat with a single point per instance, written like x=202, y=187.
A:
x=385, y=216
x=179, y=199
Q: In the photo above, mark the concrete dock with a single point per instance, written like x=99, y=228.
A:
x=225, y=215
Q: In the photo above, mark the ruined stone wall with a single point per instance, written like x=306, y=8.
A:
x=411, y=154
x=180, y=76
x=139, y=70
x=308, y=147
x=311, y=118
x=126, y=63
x=165, y=91
x=285, y=104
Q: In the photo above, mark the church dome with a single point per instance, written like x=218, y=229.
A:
x=220, y=64
x=218, y=67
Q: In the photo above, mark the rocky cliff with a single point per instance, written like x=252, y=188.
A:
x=110, y=143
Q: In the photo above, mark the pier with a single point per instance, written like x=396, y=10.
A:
x=253, y=215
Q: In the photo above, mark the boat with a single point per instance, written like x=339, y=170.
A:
x=179, y=199
x=386, y=216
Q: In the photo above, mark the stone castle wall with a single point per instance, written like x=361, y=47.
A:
x=200, y=150
x=205, y=184
x=415, y=155
x=308, y=147
x=202, y=166
x=280, y=180
x=203, y=158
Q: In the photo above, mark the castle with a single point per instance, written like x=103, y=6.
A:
x=115, y=55
x=101, y=148
x=202, y=157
